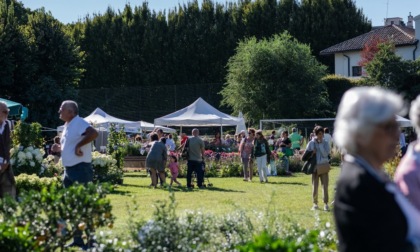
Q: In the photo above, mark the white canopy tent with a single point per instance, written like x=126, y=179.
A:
x=99, y=118
x=146, y=126
x=241, y=126
x=403, y=122
x=198, y=114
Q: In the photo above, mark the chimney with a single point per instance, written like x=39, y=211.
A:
x=417, y=26
x=410, y=21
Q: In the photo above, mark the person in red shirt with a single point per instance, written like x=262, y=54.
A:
x=183, y=138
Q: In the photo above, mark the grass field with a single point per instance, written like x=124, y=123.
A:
x=289, y=196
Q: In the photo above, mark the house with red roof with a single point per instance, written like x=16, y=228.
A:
x=348, y=54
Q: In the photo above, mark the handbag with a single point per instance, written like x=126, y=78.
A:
x=322, y=168
x=185, y=149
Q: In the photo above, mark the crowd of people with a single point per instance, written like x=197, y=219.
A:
x=372, y=212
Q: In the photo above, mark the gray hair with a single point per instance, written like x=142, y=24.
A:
x=415, y=113
x=3, y=103
x=71, y=105
x=360, y=110
x=195, y=132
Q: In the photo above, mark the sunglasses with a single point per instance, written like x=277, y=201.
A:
x=5, y=112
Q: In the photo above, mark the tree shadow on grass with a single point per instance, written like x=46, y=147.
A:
x=134, y=185
x=288, y=183
x=119, y=192
x=135, y=175
x=208, y=188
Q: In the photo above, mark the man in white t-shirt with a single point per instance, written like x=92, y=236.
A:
x=76, y=151
x=170, y=144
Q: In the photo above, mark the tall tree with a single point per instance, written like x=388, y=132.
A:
x=15, y=59
x=386, y=69
x=389, y=70
x=276, y=77
x=57, y=70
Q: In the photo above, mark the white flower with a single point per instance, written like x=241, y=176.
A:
x=29, y=155
x=21, y=155
x=32, y=163
x=21, y=159
x=42, y=169
x=30, y=148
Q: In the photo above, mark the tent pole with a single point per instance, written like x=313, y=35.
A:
x=221, y=128
x=180, y=130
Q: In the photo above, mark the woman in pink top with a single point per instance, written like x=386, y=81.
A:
x=246, y=151
x=174, y=168
x=407, y=176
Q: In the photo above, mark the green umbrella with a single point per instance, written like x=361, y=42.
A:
x=16, y=109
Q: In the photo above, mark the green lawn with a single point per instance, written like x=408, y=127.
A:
x=289, y=196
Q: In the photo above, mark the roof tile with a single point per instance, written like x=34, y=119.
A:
x=400, y=35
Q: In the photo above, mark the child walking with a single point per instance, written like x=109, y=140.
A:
x=173, y=167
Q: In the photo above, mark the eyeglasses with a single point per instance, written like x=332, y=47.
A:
x=5, y=112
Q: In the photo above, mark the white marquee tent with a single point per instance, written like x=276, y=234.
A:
x=198, y=114
x=99, y=118
x=241, y=126
x=101, y=121
x=403, y=122
x=146, y=126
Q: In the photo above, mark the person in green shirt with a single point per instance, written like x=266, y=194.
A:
x=296, y=139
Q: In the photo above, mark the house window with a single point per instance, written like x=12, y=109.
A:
x=357, y=71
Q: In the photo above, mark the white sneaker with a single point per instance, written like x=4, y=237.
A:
x=314, y=207
x=326, y=208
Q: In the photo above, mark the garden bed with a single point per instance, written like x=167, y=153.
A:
x=135, y=162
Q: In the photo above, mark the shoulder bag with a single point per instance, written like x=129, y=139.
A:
x=322, y=168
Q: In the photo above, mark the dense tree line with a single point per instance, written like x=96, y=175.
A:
x=39, y=64
x=44, y=61
x=192, y=43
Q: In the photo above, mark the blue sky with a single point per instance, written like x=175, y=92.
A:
x=70, y=11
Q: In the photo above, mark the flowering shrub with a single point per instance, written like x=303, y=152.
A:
x=197, y=231
x=51, y=169
x=52, y=215
x=26, y=160
x=231, y=170
x=117, y=140
x=105, y=169
x=26, y=135
x=25, y=182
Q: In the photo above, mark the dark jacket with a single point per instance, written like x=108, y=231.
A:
x=310, y=162
x=367, y=216
x=5, y=143
x=261, y=148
